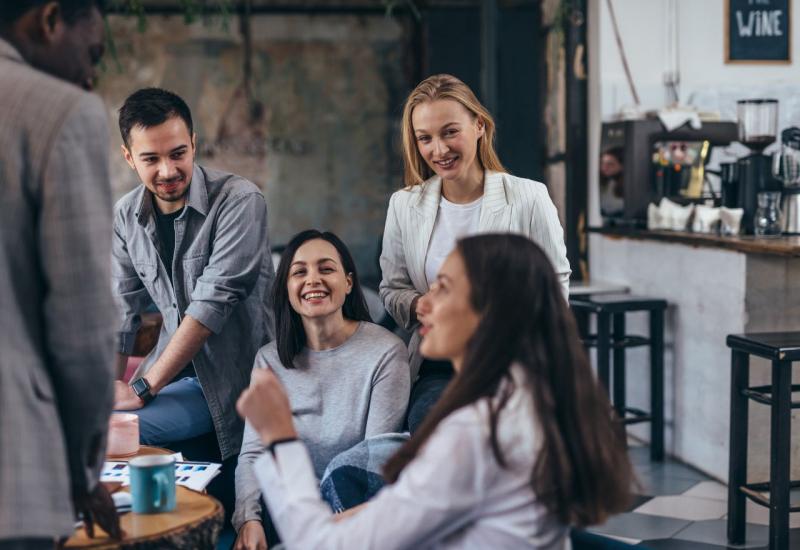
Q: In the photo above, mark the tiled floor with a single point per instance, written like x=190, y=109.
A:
x=679, y=508
x=675, y=508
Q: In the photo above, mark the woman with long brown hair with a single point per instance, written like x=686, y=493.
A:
x=520, y=447
x=348, y=378
x=455, y=186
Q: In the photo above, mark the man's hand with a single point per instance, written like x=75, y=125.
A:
x=251, y=537
x=98, y=508
x=125, y=399
x=266, y=406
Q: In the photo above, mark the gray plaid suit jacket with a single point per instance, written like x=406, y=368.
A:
x=57, y=316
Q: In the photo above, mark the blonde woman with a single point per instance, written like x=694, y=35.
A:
x=455, y=186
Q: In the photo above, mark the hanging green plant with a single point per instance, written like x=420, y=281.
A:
x=568, y=13
x=191, y=10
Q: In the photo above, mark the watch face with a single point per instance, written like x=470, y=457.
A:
x=140, y=386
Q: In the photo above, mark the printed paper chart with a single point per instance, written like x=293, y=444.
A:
x=192, y=475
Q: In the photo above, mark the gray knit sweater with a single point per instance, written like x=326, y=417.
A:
x=338, y=396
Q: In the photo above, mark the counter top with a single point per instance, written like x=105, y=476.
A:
x=777, y=246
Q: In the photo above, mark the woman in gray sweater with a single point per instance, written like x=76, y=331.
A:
x=347, y=378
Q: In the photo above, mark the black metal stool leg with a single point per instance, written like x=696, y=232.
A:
x=737, y=458
x=780, y=455
x=603, y=348
x=657, y=384
x=619, y=364
x=582, y=321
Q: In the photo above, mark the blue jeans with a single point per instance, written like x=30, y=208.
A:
x=178, y=412
x=434, y=376
x=355, y=476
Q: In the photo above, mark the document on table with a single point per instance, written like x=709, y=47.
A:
x=196, y=475
x=192, y=475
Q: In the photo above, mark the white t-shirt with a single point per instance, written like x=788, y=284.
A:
x=453, y=221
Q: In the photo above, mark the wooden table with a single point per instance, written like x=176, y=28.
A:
x=195, y=523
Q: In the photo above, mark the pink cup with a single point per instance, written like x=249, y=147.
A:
x=123, y=435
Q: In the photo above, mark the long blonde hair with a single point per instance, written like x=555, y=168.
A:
x=444, y=86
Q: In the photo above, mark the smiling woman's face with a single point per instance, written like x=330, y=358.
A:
x=447, y=138
x=317, y=282
x=448, y=319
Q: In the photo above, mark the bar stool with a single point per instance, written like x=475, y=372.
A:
x=610, y=309
x=782, y=348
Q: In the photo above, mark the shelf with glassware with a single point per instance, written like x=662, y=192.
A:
x=659, y=178
x=750, y=187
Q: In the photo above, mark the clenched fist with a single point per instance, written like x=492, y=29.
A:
x=265, y=405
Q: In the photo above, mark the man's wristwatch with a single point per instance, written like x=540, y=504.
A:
x=141, y=387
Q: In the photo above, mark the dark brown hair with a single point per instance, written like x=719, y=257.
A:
x=150, y=107
x=582, y=473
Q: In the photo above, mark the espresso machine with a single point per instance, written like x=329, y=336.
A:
x=758, y=126
x=786, y=167
x=628, y=179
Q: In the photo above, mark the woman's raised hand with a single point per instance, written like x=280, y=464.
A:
x=265, y=405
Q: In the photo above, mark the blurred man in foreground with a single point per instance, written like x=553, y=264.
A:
x=56, y=310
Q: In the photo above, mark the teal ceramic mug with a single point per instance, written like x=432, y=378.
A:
x=152, y=484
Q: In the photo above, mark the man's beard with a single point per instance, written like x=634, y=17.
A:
x=171, y=197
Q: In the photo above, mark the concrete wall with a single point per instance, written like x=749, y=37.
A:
x=318, y=136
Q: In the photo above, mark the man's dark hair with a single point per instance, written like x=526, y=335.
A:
x=150, y=107
x=71, y=10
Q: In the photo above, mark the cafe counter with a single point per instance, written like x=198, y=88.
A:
x=715, y=286
x=788, y=246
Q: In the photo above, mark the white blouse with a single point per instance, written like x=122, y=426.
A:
x=453, y=495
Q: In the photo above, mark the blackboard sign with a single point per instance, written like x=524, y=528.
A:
x=758, y=31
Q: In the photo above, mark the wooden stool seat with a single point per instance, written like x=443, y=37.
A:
x=616, y=303
x=769, y=345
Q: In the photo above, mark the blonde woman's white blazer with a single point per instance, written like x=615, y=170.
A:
x=510, y=204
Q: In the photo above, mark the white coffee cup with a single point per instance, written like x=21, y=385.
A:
x=123, y=434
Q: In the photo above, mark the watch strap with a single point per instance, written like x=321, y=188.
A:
x=271, y=446
x=141, y=388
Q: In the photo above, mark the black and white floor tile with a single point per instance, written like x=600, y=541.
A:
x=679, y=508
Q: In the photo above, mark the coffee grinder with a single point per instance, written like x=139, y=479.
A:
x=786, y=167
x=758, y=125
